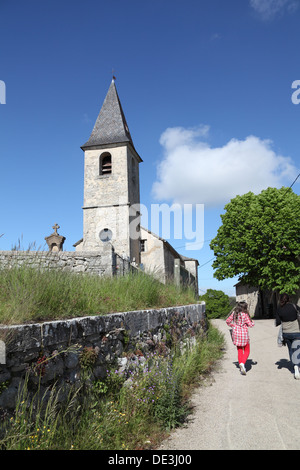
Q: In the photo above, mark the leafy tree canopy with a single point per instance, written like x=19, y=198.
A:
x=259, y=240
x=217, y=303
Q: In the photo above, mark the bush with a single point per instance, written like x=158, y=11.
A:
x=217, y=303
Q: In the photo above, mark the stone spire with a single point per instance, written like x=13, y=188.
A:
x=111, y=126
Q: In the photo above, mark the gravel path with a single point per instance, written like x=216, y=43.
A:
x=259, y=411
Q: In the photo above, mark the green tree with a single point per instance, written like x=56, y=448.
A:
x=259, y=240
x=217, y=303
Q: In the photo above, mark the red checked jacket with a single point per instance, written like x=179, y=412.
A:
x=240, y=334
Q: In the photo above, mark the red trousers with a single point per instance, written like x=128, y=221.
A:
x=243, y=353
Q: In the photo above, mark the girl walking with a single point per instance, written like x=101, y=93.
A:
x=239, y=320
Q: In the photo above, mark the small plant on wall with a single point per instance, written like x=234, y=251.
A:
x=88, y=357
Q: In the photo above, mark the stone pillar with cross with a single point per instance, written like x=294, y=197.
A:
x=55, y=241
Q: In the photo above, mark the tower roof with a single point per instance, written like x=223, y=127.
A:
x=111, y=126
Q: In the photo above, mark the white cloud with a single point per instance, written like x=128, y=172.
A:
x=192, y=172
x=268, y=9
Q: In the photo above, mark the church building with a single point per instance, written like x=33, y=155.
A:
x=111, y=206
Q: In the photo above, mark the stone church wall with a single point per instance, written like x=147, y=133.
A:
x=54, y=352
x=80, y=262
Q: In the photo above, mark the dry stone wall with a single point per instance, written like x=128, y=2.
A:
x=51, y=352
x=99, y=263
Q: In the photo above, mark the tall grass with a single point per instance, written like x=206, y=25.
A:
x=126, y=411
x=29, y=294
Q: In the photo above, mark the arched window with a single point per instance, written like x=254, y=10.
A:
x=105, y=166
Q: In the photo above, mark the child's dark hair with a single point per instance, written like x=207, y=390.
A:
x=241, y=306
x=284, y=299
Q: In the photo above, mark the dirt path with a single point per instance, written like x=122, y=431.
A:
x=259, y=411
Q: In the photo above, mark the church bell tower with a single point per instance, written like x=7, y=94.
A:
x=111, y=184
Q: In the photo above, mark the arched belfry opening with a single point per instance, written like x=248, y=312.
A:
x=105, y=164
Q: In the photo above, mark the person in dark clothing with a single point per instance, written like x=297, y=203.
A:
x=287, y=316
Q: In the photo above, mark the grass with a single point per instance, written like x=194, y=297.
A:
x=33, y=295
x=126, y=411
x=129, y=410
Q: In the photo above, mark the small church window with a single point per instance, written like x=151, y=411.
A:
x=143, y=245
x=105, y=164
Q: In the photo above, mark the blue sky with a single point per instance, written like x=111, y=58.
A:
x=205, y=85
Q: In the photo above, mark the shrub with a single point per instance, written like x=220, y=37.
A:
x=217, y=304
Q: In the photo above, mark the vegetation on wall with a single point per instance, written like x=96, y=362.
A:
x=34, y=295
x=125, y=411
x=130, y=409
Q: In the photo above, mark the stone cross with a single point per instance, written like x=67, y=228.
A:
x=55, y=241
x=56, y=227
